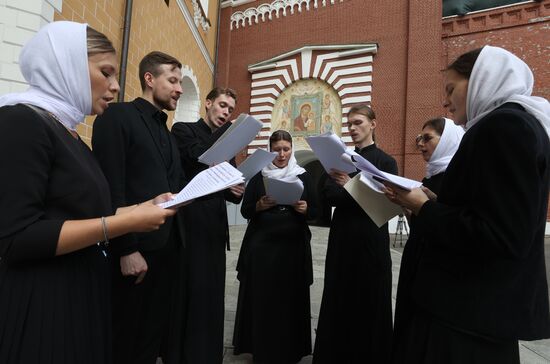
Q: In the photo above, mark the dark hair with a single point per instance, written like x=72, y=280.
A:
x=97, y=42
x=437, y=124
x=151, y=63
x=280, y=135
x=464, y=64
x=362, y=109
x=217, y=91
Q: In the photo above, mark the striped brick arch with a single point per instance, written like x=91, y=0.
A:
x=347, y=68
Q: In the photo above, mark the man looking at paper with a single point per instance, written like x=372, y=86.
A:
x=140, y=158
x=207, y=233
x=355, y=321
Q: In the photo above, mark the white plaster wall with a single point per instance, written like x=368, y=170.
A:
x=188, y=109
x=19, y=21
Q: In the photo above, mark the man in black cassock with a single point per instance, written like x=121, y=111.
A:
x=140, y=159
x=355, y=320
x=207, y=234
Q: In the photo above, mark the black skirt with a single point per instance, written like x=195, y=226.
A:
x=273, y=320
x=428, y=341
x=56, y=311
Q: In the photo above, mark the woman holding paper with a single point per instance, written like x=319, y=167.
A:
x=274, y=267
x=54, y=275
x=438, y=142
x=480, y=285
x=355, y=321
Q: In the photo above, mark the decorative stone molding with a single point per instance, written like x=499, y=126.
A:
x=346, y=68
x=194, y=30
x=199, y=17
x=234, y=3
x=188, y=109
x=496, y=18
x=241, y=18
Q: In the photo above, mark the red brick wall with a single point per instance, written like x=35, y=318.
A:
x=348, y=22
x=415, y=45
x=523, y=30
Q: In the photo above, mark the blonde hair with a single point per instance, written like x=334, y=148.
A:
x=97, y=42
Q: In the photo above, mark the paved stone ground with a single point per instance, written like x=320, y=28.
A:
x=534, y=352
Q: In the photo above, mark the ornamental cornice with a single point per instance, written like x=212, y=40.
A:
x=277, y=7
x=198, y=16
x=519, y=14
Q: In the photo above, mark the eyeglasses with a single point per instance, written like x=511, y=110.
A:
x=424, y=138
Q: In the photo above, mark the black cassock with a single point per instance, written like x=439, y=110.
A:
x=273, y=319
x=479, y=284
x=207, y=236
x=404, y=307
x=355, y=321
x=53, y=309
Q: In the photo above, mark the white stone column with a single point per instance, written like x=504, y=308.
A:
x=19, y=21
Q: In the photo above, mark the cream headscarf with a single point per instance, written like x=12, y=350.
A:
x=55, y=64
x=292, y=169
x=445, y=149
x=499, y=77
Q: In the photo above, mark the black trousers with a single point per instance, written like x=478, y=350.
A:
x=145, y=315
x=428, y=341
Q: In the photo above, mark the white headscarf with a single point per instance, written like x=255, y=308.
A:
x=499, y=77
x=55, y=64
x=292, y=169
x=445, y=149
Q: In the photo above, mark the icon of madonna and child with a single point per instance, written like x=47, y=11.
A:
x=306, y=114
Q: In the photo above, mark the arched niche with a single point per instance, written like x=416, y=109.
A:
x=188, y=109
x=307, y=107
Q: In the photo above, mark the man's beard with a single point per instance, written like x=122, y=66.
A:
x=164, y=104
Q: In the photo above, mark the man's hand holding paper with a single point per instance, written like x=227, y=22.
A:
x=237, y=190
x=329, y=149
x=211, y=180
x=241, y=132
x=339, y=177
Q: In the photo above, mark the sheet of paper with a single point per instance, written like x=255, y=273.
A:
x=373, y=202
x=235, y=138
x=365, y=166
x=329, y=149
x=210, y=180
x=284, y=191
x=255, y=163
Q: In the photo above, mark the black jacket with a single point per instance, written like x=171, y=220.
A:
x=127, y=147
x=482, y=269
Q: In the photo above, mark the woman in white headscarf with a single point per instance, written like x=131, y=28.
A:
x=274, y=268
x=437, y=143
x=54, y=275
x=481, y=285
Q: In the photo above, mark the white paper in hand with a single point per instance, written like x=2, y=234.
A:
x=284, y=191
x=365, y=166
x=235, y=138
x=210, y=180
x=329, y=149
x=365, y=191
x=255, y=163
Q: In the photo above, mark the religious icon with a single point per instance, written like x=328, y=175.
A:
x=301, y=121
